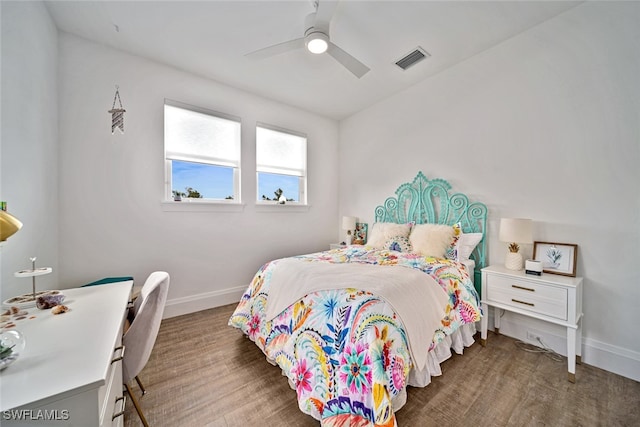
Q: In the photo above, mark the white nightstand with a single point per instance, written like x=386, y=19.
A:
x=336, y=246
x=552, y=298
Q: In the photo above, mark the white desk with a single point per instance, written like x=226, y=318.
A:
x=66, y=367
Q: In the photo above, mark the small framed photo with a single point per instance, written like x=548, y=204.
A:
x=556, y=258
x=360, y=236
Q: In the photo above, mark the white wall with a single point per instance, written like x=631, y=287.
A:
x=543, y=126
x=29, y=138
x=111, y=220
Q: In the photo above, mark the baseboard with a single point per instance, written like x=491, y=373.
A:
x=191, y=304
x=605, y=356
x=612, y=358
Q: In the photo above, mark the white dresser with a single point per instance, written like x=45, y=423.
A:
x=552, y=298
x=70, y=373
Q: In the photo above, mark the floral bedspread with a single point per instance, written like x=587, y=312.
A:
x=346, y=351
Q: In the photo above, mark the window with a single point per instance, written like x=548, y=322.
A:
x=202, y=153
x=281, y=165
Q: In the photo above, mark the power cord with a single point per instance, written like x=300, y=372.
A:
x=525, y=346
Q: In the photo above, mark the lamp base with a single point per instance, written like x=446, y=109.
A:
x=513, y=261
x=349, y=238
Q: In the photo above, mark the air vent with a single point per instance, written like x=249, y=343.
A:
x=413, y=58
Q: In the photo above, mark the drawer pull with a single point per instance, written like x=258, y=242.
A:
x=522, y=302
x=523, y=288
x=124, y=403
x=121, y=348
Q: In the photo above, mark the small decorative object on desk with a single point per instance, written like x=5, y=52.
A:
x=59, y=309
x=12, y=317
x=49, y=301
x=12, y=343
x=28, y=300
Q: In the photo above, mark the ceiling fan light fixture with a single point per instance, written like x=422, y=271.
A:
x=317, y=42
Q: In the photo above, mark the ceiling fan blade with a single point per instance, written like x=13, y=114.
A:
x=276, y=49
x=324, y=12
x=349, y=62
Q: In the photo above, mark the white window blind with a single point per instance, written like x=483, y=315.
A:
x=202, y=154
x=280, y=152
x=196, y=136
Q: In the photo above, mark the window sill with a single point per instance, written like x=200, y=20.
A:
x=277, y=207
x=193, y=206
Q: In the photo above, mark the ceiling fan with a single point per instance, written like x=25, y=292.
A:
x=316, y=39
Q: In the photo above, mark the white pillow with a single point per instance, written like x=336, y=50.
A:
x=467, y=242
x=383, y=231
x=431, y=239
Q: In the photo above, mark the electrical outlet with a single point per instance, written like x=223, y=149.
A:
x=533, y=336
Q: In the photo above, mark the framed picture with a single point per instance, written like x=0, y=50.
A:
x=360, y=236
x=556, y=258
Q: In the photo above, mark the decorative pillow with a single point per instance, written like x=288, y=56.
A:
x=383, y=231
x=452, y=250
x=398, y=243
x=466, y=244
x=431, y=239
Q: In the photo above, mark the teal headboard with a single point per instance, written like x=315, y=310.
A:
x=428, y=201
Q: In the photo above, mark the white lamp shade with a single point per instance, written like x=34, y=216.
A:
x=516, y=230
x=349, y=222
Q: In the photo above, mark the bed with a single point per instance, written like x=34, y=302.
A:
x=351, y=328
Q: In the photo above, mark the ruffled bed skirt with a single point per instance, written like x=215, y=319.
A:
x=461, y=338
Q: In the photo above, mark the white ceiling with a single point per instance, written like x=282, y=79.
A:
x=210, y=39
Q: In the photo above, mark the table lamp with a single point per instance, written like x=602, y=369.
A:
x=349, y=224
x=9, y=225
x=514, y=231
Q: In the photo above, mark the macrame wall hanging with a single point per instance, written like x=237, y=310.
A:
x=117, y=114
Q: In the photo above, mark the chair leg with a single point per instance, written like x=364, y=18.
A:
x=140, y=385
x=137, y=406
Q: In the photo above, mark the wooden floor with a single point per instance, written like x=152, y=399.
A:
x=205, y=373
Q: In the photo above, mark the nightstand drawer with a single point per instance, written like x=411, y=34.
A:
x=527, y=295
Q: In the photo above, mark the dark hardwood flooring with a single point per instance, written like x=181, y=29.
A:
x=205, y=373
